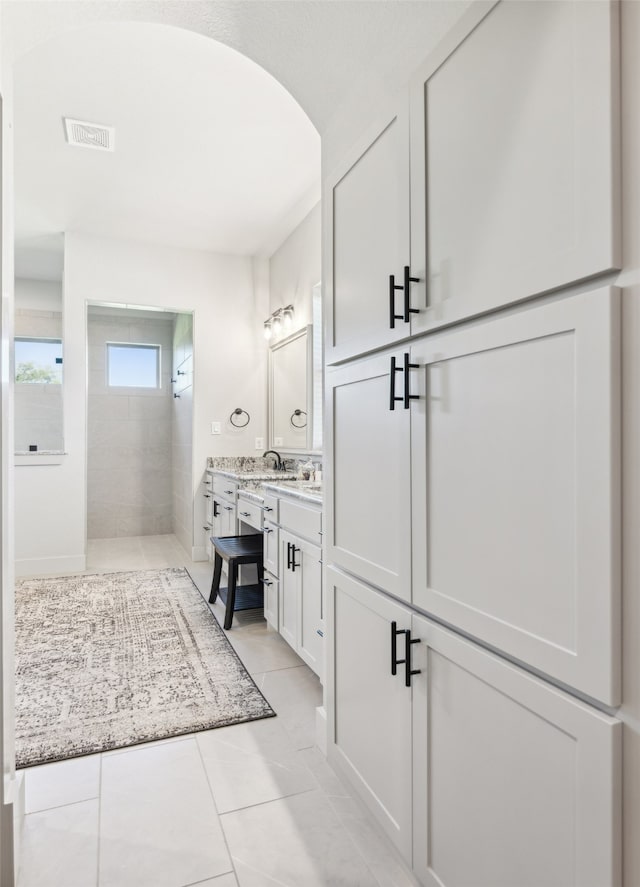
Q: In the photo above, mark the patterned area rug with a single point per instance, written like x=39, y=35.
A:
x=111, y=660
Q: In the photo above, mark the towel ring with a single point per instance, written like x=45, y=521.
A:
x=299, y=413
x=239, y=412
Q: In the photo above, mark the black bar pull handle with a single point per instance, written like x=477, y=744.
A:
x=393, y=286
x=408, y=280
x=395, y=662
x=216, y=510
x=392, y=384
x=293, y=558
x=408, y=671
x=288, y=555
x=407, y=396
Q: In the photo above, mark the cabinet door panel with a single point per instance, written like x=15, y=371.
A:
x=516, y=486
x=271, y=596
x=289, y=594
x=369, y=485
x=271, y=548
x=369, y=708
x=311, y=643
x=515, y=782
x=368, y=239
x=520, y=192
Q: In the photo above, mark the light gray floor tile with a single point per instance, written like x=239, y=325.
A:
x=158, y=822
x=260, y=648
x=252, y=763
x=64, y=782
x=385, y=862
x=60, y=847
x=293, y=842
x=294, y=694
x=228, y=880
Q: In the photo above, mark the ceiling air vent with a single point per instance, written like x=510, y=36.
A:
x=89, y=135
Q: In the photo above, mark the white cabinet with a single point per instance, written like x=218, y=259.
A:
x=301, y=606
x=369, y=486
x=514, y=183
x=271, y=602
x=271, y=547
x=370, y=708
x=368, y=198
x=514, y=782
x=496, y=500
x=480, y=773
x=516, y=488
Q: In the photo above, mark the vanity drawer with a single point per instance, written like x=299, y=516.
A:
x=271, y=547
x=271, y=595
x=224, y=487
x=301, y=520
x=271, y=508
x=250, y=513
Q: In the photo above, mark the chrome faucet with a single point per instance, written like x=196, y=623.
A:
x=279, y=464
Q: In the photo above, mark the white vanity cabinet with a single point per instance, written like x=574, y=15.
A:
x=224, y=506
x=458, y=748
x=514, y=183
x=301, y=610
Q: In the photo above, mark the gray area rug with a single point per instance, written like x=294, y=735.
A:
x=114, y=659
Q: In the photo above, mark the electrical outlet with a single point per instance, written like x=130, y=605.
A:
x=259, y=443
x=278, y=442
x=215, y=427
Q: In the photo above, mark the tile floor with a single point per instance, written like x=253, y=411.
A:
x=253, y=805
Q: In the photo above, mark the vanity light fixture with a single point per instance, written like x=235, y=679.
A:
x=282, y=318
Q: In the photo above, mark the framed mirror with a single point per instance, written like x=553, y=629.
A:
x=290, y=393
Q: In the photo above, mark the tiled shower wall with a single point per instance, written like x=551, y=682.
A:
x=129, y=477
x=182, y=434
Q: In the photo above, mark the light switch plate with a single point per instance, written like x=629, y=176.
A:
x=259, y=443
x=215, y=428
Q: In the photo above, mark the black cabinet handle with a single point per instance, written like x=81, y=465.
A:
x=268, y=530
x=408, y=671
x=229, y=492
x=407, y=396
x=216, y=509
x=395, y=662
x=228, y=508
x=288, y=555
x=393, y=286
x=408, y=280
x=245, y=513
x=293, y=558
x=266, y=581
x=207, y=496
x=268, y=508
x=392, y=384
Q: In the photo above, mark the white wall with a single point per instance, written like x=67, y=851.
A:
x=295, y=268
x=228, y=372
x=630, y=281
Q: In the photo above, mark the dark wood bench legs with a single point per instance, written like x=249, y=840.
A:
x=215, y=582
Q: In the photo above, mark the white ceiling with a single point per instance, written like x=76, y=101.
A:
x=211, y=151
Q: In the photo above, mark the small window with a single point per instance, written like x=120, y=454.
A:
x=38, y=360
x=133, y=366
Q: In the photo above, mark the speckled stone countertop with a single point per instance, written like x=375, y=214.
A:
x=252, y=491
x=305, y=490
x=258, y=475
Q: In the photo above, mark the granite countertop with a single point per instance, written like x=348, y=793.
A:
x=252, y=490
x=257, y=475
x=306, y=490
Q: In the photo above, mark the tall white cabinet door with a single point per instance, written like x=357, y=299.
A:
x=515, y=181
x=515, y=782
x=369, y=476
x=516, y=487
x=367, y=240
x=369, y=707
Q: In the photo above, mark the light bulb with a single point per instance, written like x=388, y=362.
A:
x=267, y=329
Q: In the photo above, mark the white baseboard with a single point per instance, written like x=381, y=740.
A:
x=42, y=566
x=199, y=553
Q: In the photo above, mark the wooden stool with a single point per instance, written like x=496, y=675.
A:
x=237, y=550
